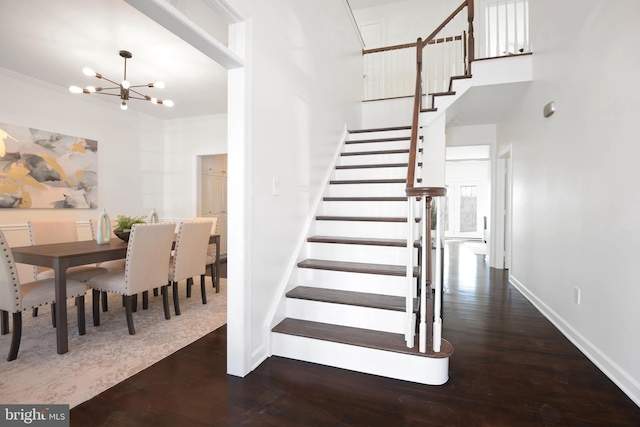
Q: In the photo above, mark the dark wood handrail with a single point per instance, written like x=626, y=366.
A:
x=410, y=189
x=417, y=106
x=445, y=22
x=387, y=48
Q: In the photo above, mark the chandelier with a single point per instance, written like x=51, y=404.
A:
x=124, y=89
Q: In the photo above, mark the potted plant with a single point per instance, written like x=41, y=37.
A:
x=124, y=223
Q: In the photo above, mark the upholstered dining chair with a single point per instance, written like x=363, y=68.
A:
x=189, y=259
x=211, y=250
x=113, y=266
x=16, y=298
x=44, y=232
x=146, y=267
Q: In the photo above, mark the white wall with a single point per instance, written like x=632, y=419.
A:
x=576, y=202
x=130, y=146
x=304, y=76
x=186, y=139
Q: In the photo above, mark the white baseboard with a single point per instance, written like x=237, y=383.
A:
x=619, y=376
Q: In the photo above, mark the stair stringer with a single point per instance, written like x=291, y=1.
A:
x=442, y=103
x=277, y=310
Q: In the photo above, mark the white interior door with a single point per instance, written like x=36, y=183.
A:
x=213, y=196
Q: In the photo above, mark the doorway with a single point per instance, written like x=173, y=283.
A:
x=503, y=211
x=468, y=195
x=213, y=193
x=465, y=204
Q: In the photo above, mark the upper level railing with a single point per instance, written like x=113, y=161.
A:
x=501, y=28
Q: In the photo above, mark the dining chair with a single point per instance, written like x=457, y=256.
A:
x=189, y=259
x=44, y=232
x=113, y=266
x=146, y=267
x=211, y=250
x=16, y=297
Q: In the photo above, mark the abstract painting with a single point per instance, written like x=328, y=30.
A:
x=40, y=169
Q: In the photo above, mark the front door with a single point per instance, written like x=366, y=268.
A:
x=464, y=209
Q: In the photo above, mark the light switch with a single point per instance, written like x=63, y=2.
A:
x=276, y=187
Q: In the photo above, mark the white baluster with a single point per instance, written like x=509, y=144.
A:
x=437, y=307
x=409, y=333
x=426, y=249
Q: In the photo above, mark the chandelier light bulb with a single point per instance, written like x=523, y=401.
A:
x=159, y=85
x=125, y=84
x=91, y=89
x=75, y=89
x=88, y=72
x=168, y=102
x=124, y=106
x=154, y=100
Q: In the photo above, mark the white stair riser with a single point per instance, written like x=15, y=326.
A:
x=373, y=159
x=356, y=282
x=358, y=208
x=347, y=315
x=360, y=253
x=378, y=190
x=379, y=135
x=373, y=146
x=423, y=370
x=371, y=173
x=383, y=230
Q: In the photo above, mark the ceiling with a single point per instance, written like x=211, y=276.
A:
x=52, y=41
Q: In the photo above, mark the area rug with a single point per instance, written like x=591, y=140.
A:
x=478, y=248
x=107, y=354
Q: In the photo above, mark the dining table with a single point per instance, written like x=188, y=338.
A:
x=61, y=256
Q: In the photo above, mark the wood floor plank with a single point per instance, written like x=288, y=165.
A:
x=511, y=367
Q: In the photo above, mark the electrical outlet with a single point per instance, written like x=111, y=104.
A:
x=576, y=295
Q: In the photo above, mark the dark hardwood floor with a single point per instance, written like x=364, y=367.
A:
x=510, y=367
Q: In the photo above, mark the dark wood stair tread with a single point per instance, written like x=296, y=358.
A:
x=358, y=337
x=362, y=218
x=377, y=165
x=376, y=152
x=369, y=181
x=365, y=199
x=399, y=243
x=379, y=129
x=373, y=140
x=359, y=299
x=357, y=267
x=449, y=93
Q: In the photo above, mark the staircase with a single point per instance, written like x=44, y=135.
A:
x=347, y=307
